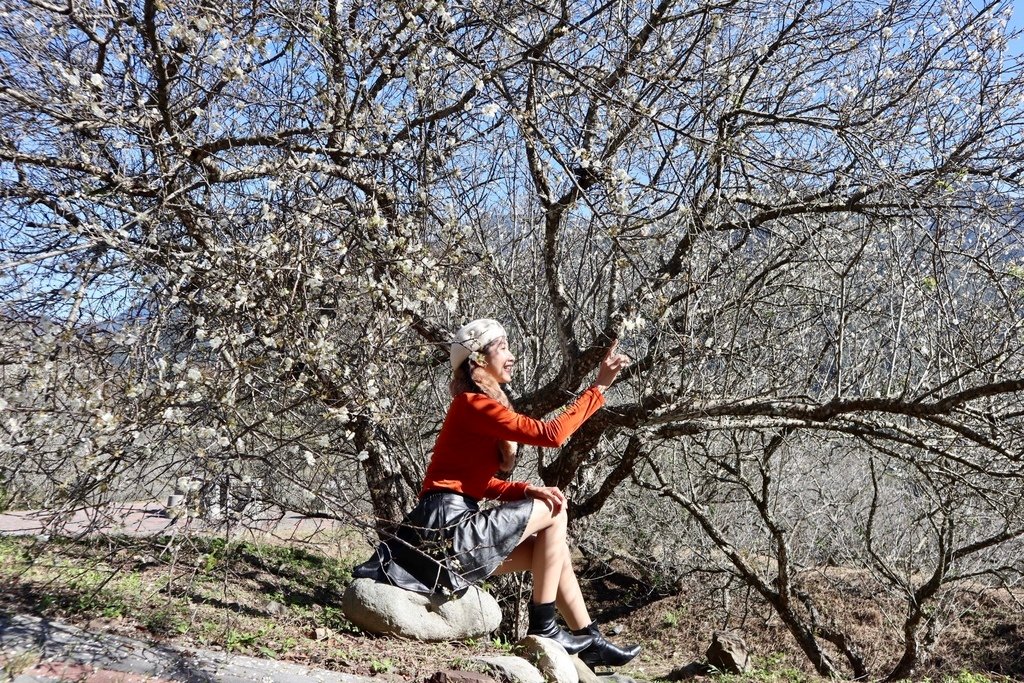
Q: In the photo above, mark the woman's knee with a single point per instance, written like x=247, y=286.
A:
x=558, y=525
x=561, y=519
x=542, y=515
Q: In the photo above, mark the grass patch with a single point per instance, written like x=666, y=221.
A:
x=259, y=599
x=239, y=596
x=283, y=602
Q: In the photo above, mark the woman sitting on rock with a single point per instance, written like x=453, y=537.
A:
x=448, y=543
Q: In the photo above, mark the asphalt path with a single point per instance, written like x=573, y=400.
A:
x=149, y=518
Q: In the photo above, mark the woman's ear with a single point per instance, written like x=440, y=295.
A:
x=478, y=359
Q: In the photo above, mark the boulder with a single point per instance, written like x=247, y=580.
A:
x=728, y=652
x=458, y=676
x=509, y=669
x=615, y=678
x=550, y=659
x=584, y=672
x=388, y=610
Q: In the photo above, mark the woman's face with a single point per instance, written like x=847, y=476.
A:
x=499, y=361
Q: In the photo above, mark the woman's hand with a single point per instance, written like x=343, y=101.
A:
x=551, y=496
x=610, y=366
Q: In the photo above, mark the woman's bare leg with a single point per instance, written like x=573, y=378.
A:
x=570, y=597
x=545, y=552
x=550, y=551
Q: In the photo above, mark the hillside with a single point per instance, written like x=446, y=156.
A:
x=280, y=601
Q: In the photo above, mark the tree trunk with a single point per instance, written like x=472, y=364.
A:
x=823, y=664
x=388, y=496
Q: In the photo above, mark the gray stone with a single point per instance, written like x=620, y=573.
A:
x=586, y=675
x=615, y=678
x=550, y=659
x=509, y=669
x=274, y=609
x=728, y=652
x=458, y=676
x=60, y=645
x=388, y=610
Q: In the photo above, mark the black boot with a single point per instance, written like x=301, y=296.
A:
x=542, y=623
x=603, y=653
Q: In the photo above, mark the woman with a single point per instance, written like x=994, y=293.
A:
x=447, y=543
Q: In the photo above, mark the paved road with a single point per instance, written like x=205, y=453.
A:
x=144, y=518
x=34, y=650
x=131, y=518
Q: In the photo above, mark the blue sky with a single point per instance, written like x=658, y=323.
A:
x=1017, y=22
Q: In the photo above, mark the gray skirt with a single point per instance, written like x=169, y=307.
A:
x=447, y=543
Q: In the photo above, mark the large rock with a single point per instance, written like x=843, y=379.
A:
x=508, y=669
x=384, y=609
x=584, y=672
x=458, y=676
x=616, y=678
x=550, y=659
x=728, y=653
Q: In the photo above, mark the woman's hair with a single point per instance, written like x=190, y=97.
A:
x=468, y=377
x=473, y=378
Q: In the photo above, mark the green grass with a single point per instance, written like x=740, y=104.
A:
x=774, y=668
x=267, y=600
x=382, y=666
x=212, y=591
x=258, y=599
x=968, y=677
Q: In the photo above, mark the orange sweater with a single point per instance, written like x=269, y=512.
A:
x=465, y=456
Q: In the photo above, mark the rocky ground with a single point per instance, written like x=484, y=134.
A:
x=275, y=597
